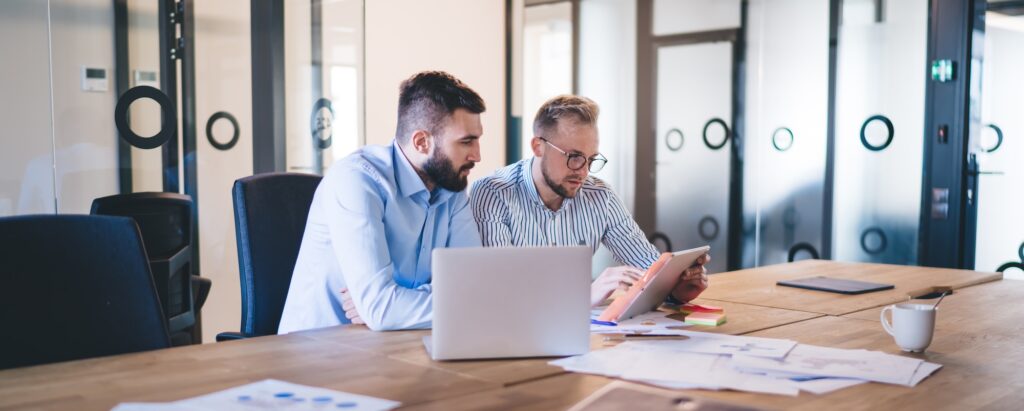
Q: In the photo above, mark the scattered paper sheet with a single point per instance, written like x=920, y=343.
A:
x=711, y=343
x=662, y=364
x=834, y=362
x=763, y=365
x=268, y=395
x=652, y=323
x=923, y=371
x=825, y=385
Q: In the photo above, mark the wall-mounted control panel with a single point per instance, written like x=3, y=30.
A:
x=95, y=79
x=145, y=78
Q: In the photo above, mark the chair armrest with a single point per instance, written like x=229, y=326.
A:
x=230, y=336
x=200, y=290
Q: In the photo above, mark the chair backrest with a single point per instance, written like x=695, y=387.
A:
x=75, y=286
x=165, y=221
x=270, y=217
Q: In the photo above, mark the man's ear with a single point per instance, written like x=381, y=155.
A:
x=536, y=144
x=421, y=141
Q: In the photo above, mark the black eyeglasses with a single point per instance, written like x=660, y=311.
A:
x=576, y=161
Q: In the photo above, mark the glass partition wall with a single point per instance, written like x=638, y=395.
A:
x=822, y=105
x=131, y=96
x=879, y=132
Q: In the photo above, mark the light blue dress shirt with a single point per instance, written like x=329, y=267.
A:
x=371, y=228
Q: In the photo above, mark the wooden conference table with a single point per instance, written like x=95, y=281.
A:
x=979, y=340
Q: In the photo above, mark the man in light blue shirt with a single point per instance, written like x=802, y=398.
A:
x=551, y=200
x=378, y=213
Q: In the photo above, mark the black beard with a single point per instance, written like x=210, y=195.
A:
x=440, y=170
x=558, y=189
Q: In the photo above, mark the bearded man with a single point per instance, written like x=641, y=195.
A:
x=379, y=212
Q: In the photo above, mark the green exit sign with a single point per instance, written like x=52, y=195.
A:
x=943, y=71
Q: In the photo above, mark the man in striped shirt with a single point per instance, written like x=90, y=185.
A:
x=551, y=200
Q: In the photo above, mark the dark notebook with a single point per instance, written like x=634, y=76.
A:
x=836, y=285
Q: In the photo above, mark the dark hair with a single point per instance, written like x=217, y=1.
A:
x=426, y=100
x=580, y=109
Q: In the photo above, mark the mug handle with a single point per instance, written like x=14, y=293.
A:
x=885, y=323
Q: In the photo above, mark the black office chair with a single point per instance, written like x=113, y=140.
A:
x=165, y=221
x=75, y=286
x=270, y=217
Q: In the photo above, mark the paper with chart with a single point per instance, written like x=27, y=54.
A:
x=269, y=395
x=835, y=362
x=652, y=323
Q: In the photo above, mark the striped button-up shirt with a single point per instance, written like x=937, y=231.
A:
x=509, y=212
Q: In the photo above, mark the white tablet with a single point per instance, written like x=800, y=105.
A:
x=654, y=287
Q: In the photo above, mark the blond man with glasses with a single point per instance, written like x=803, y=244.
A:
x=552, y=200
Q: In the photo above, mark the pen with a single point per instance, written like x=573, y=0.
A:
x=608, y=323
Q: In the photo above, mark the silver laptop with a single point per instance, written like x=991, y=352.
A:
x=504, y=302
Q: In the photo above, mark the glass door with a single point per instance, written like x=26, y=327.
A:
x=1000, y=235
x=694, y=116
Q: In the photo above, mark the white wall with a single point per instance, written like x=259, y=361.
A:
x=26, y=140
x=463, y=37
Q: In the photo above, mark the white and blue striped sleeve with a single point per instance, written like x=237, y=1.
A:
x=491, y=214
x=624, y=238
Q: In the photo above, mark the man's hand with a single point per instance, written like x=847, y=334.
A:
x=613, y=278
x=350, y=307
x=692, y=281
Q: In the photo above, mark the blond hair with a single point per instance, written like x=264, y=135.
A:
x=581, y=110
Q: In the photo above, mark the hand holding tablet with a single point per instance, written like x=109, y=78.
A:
x=652, y=289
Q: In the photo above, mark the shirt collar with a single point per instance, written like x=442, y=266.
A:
x=531, y=188
x=409, y=181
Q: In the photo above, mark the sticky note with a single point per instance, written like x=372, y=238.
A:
x=710, y=319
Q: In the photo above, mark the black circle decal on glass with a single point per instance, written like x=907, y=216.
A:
x=724, y=127
x=883, y=241
x=1009, y=265
x=318, y=124
x=796, y=248
x=209, y=130
x=670, y=142
x=864, y=138
x=1020, y=252
x=782, y=138
x=708, y=228
x=999, y=138
x=168, y=117
x=656, y=236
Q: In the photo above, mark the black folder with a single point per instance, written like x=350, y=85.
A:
x=836, y=285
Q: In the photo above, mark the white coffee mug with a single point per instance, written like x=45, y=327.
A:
x=912, y=325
